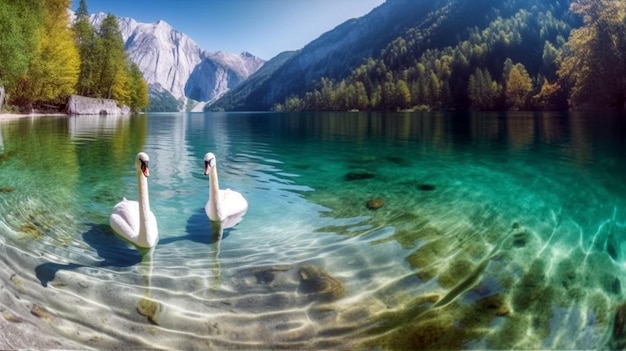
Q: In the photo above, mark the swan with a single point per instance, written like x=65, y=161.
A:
x=132, y=220
x=225, y=207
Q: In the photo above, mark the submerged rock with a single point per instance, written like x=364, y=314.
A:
x=149, y=308
x=426, y=187
x=360, y=175
x=41, y=312
x=374, y=204
x=320, y=284
x=619, y=326
x=7, y=189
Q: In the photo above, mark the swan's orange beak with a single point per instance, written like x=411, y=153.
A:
x=206, y=167
x=145, y=170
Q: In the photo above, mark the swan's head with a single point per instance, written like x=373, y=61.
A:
x=209, y=162
x=141, y=163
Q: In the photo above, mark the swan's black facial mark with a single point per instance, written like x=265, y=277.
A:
x=144, y=168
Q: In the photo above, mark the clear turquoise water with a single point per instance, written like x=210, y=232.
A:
x=496, y=230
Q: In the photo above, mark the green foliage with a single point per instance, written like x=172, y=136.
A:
x=138, y=89
x=161, y=100
x=53, y=71
x=89, y=48
x=408, y=73
x=518, y=87
x=594, y=61
x=112, y=60
x=20, y=21
x=44, y=59
x=482, y=90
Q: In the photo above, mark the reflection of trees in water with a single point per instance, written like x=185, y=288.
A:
x=57, y=181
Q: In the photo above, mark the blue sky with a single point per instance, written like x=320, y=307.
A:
x=262, y=27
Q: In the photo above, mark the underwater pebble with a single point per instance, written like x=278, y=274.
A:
x=374, y=204
x=41, y=312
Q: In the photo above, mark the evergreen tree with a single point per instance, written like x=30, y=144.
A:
x=482, y=90
x=594, y=61
x=112, y=58
x=87, y=43
x=138, y=89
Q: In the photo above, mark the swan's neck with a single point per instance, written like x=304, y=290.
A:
x=144, y=207
x=214, y=191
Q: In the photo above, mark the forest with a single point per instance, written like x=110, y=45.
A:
x=547, y=56
x=46, y=57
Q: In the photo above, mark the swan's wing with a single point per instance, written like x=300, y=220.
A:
x=124, y=219
x=234, y=206
x=232, y=202
x=152, y=223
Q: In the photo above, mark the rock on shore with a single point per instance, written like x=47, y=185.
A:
x=81, y=105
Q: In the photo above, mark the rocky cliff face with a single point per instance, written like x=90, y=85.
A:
x=172, y=61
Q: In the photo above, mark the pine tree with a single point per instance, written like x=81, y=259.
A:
x=112, y=57
x=482, y=90
x=138, y=89
x=87, y=43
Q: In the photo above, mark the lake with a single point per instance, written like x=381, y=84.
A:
x=364, y=231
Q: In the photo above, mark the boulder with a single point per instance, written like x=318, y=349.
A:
x=82, y=105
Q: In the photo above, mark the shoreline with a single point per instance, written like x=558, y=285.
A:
x=4, y=116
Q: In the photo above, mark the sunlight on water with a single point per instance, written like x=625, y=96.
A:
x=396, y=231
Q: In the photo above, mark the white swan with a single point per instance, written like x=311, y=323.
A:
x=224, y=206
x=134, y=220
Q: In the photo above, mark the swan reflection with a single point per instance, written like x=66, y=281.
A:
x=147, y=305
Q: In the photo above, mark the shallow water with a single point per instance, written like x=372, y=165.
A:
x=496, y=230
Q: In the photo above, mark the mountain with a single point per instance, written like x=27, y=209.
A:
x=447, y=39
x=236, y=97
x=176, y=68
x=336, y=53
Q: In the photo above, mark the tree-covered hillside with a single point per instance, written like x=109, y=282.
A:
x=506, y=60
x=45, y=57
x=470, y=54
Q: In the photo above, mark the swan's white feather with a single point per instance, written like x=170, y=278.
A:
x=231, y=206
x=125, y=221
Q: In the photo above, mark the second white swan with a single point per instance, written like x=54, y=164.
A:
x=132, y=220
x=224, y=206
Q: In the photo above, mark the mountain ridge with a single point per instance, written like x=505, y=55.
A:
x=173, y=63
x=428, y=45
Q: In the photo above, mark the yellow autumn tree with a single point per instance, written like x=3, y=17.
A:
x=120, y=90
x=53, y=72
x=518, y=87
